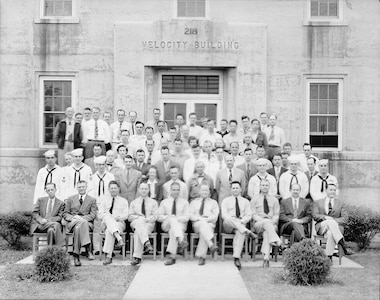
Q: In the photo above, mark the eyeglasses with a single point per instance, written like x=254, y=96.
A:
x=50, y=157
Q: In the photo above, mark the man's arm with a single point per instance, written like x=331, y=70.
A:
x=36, y=212
x=283, y=217
x=58, y=217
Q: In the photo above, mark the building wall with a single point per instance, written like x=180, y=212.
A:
x=276, y=54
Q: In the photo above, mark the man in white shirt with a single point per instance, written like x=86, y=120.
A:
x=210, y=134
x=174, y=175
x=160, y=134
x=223, y=128
x=246, y=129
x=236, y=213
x=87, y=114
x=261, y=153
x=117, y=127
x=204, y=213
x=303, y=157
x=189, y=164
x=318, y=184
x=95, y=131
x=132, y=122
x=156, y=118
x=263, y=121
x=153, y=155
x=234, y=150
x=138, y=139
x=173, y=213
x=294, y=175
x=113, y=212
x=143, y=215
x=276, y=137
x=233, y=136
x=254, y=182
x=194, y=129
x=217, y=164
x=208, y=156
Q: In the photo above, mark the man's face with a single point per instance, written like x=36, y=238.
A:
x=68, y=160
x=179, y=120
x=307, y=150
x=120, y=116
x=110, y=157
x=260, y=152
x=95, y=114
x=272, y=120
x=161, y=127
x=210, y=126
x=97, y=151
x=114, y=190
x=101, y=167
x=156, y=114
x=234, y=148
x=196, y=152
x=245, y=123
x=150, y=145
x=87, y=114
x=264, y=119
x=248, y=139
x=82, y=187
x=79, y=118
x=255, y=125
x=77, y=159
x=233, y=127
x=174, y=191
x=331, y=191
x=125, y=136
x=152, y=173
x=50, y=190
x=140, y=157
x=69, y=112
x=139, y=128
x=173, y=134
x=204, y=191
x=165, y=155
x=128, y=163
x=223, y=125
x=229, y=161
x=262, y=167
x=235, y=189
x=178, y=146
x=295, y=190
x=311, y=165
x=204, y=123
x=219, y=154
x=107, y=118
x=164, y=142
x=143, y=190
x=285, y=161
x=50, y=160
x=207, y=148
x=248, y=156
x=174, y=173
x=192, y=142
x=149, y=133
x=264, y=186
x=132, y=117
x=199, y=168
x=323, y=168
x=122, y=152
x=293, y=166
x=277, y=161
x=288, y=149
x=185, y=131
x=193, y=119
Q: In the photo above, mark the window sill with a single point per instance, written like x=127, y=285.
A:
x=324, y=23
x=57, y=21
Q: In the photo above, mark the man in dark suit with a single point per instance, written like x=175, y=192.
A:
x=128, y=179
x=47, y=215
x=164, y=164
x=295, y=214
x=198, y=179
x=80, y=213
x=330, y=214
x=277, y=169
x=249, y=169
x=140, y=165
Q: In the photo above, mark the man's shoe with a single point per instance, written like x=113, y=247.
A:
x=237, y=263
x=77, y=262
x=90, y=256
x=213, y=249
x=170, y=261
x=120, y=243
x=135, y=261
x=148, y=248
x=201, y=261
x=107, y=261
x=96, y=252
x=183, y=246
x=266, y=263
x=348, y=251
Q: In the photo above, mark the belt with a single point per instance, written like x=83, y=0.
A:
x=99, y=141
x=274, y=146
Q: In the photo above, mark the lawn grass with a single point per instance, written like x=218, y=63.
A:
x=10, y=256
x=343, y=283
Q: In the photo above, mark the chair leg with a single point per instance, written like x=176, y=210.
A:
x=223, y=247
x=131, y=246
x=340, y=253
x=191, y=247
x=162, y=246
x=246, y=248
x=34, y=246
x=253, y=249
x=154, y=247
x=216, y=252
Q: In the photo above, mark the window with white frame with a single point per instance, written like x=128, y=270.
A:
x=56, y=94
x=57, y=11
x=191, y=8
x=325, y=105
x=324, y=13
x=324, y=8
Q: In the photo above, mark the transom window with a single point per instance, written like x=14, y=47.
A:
x=191, y=8
x=187, y=84
x=58, y=8
x=324, y=8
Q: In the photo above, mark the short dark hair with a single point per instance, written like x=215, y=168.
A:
x=313, y=158
x=277, y=154
x=82, y=181
x=78, y=114
x=224, y=120
x=164, y=148
x=287, y=144
x=139, y=122
x=125, y=130
x=149, y=127
x=179, y=115
x=233, y=121
x=120, y=146
x=306, y=144
x=244, y=117
x=177, y=140
x=248, y=149
x=128, y=156
x=86, y=108
x=140, y=150
x=236, y=182
x=114, y=182
x=96, y=145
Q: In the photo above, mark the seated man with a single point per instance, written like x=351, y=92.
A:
x=330, y=214
x=47, y=215
x=204, y=213
x=265, y=214
x=113, y=213
x=295, y=214
x=143, y=216
x=174, y=214
x=236, y=213
x=80, y=213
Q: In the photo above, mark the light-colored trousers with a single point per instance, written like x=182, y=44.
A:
x=141, y=235
x=269, y=235
x=231, y=225
x=176, y=231
x=68, y=146
x=206, y=234
x=332, y=233
x=111, y=227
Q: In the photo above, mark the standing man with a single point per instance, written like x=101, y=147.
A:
x=254, y=182
x=140, y=164
x=113, y=213
x=174, y=177
x=318, y=184
x=132, y=122
x=80, y=213
x=197, y=180
x=245, y=126
x=174, y=214
x=138, y=139
x=248, y=167
x=310, y=173
x=128, y=179
x=294, y=175
x=143, y=215
x=276, y=137
x=265, y=215
x=204, y=213
x=236, y=213
x=295, y=214
x=264, y=121
x=110, y=163
x=210, y=134
x=51, y=173
x=179, y=122
x=156, y=118
x=277, y=169
x=107, y=117
x=233, y=136
x=218, y=164
x=223, y=128
x=189, y=164
x=117, y=127
x=194, y=129
x=164, y=165
x=96, y=131
x=161, y=133
x=303, y=157
x=67, y=134
x=47, y=216
x=86, y=115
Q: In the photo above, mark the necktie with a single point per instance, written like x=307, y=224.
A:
x=248, y=169
x=149, y=160
x=237, y=208
x=111, y=208
x=96, y=130
x=330, y=206
x=323, y=183
x=174, y=207
x=121, y=124
x=295, y=207
x=162, y=135
x=69, y=123
x=49, y=208
x=101, y=184
x=81, y=200
x=49, y=176
x=230, y=177
x=127, y=176
x=294, y=176
x=271, y=137
x=133, y=128
x=75, y=175
x=143, y=207
x=70, y=136
x=201, y=209
x=266, y=206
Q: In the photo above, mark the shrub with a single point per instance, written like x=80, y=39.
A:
x=306, y=263
x=13, y=226
x=52, y=264
x=361, y=226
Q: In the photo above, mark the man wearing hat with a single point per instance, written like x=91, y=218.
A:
x=78, y=171
x=318, y=184
x=330, y=215
x=294, y=175
x=254, y=182
x=50, y=173
x=100, y=181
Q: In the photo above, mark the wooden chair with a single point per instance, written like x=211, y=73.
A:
x=195, y=236
x=152, y=236
x=37, y=238
x=257, y=243
x=322, y=242
x=164, y=243
x=230, y=236
x=102, y=237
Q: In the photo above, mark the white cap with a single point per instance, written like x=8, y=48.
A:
x=100, y=159
x=293, y=159
x=261, y=161
x=323, y=162
x=77, y=152
x=49, y=153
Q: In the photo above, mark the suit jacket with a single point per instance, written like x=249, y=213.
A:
x=144, y=170
x=60, y=134
x=287, y=212
x=193, y=186
x=308, y=175
x=90, y=162
x=222, y=184
x=39, y=212
x=87, y=210
x=339, y=212
x=157, y=191
x=162, y=174
x=248, y=175
x=273, y=173
x=128, y=190
x=261, y=140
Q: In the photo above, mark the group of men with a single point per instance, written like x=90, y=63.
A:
x=126, y=175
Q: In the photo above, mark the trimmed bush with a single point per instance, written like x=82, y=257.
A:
x=52, y=264
x=362, y=225
x=13, y=226
x=306, y=263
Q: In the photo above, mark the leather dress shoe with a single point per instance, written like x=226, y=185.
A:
x=266, y=263
x=183, y=246
x=135, y=261
x=213, y=249
x=77, y=262
x=107, y=261
x=120, y=243
x=148, y=248
x=170, y=261
x=201, y=261
x=237, y=263
x=96, y=252
x=348, y=251
x=90, y=256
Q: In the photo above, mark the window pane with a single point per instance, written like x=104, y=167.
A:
x=48, y=88
x=322, y=124
x=324, y=141
x=333, y=8
x=186, y=84
x=49, y=135
x=313, y=124
x=57, y=118
x=57, y=88
x=191, y=8
x=333, y=124
x=323, y=8
x=323, y=106
x=314, y=91
x=66, y=102
x=48, y=103
x=58, y=8
x=181, y=8
x=333, y=107
x=333, y=91
x=171, y=110
x=313, y=107
x=314, y=8
x=323, y=91
x=66, y=88
x=206, y=110
x=67, y=8
x=49, y=8
x=49, y=120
